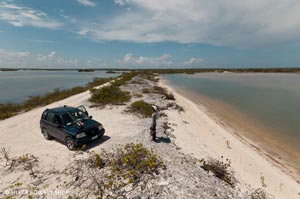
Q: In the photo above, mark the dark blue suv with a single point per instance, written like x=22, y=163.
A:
x=71, y=125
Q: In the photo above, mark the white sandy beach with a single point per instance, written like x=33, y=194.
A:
x=195, y=133
x=200, y=135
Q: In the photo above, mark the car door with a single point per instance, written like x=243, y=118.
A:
x=83, y=109
x=58, y=128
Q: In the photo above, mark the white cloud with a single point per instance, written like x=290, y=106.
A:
x=13, y=58
x=4, y=54
x=48, y=57
x=42, y=41
x=223, y=23
x=88, y=3
x=53, y=60
x=130, y=61
x=23, y=16
x=122, y=2
x=20, y=59
x=193, y=61
x=82, y=32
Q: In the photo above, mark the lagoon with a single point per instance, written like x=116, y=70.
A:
x=17, y=86
x=267, y=105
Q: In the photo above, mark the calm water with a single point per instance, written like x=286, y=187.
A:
x=17, y=86
x=271, y=99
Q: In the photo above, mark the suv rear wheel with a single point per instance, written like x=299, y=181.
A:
x=70, y=144
x=46, y=134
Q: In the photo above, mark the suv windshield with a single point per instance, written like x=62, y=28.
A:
x=74, y=116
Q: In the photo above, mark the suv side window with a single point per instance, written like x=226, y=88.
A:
x=57, y=120
x=50, y=117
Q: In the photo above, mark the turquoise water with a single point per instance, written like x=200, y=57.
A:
x=270, y=99
x=17, y=86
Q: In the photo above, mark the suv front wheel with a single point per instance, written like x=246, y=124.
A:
x=70, y=144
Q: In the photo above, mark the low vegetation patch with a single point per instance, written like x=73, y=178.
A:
x=124, y=78
x=109, y=95
x=115, y=174
x=163, y=91
x=150, y=76
x=220, y=169
x=98, y=81
x=146, y=90
x=137, y=95
x=159, y=90
x=259, y=194
x=8, y=110
x=141, y=107
x=25, y=162
x=175, y=106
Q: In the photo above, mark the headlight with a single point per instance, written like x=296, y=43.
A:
x=81, y=135
x=100, y=127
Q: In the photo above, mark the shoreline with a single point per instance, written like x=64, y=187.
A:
x=270, y=168
x=249, y=131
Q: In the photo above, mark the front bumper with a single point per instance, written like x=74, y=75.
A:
x=89, y=138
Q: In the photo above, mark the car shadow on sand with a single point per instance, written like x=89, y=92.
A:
x=97, y=142
x=90, y=144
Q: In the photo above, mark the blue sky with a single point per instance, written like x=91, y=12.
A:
x=149, y=34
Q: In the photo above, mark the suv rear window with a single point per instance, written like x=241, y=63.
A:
x=44, y=116
x=50, y=117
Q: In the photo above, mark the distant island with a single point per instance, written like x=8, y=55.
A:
x=167, y=71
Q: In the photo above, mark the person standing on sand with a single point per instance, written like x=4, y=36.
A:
x=153, y=125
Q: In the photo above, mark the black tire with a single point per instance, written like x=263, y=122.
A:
x=46, y=134
x=70, y=144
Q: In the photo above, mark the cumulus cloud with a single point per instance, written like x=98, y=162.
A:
x=130, y=61
x=13, y=58
x=245, y=23
x=23, y=16
x=88, y=3
x=42, y=41
x=193, y=61
x=122, y=2
x=49, y=57
x=53, y=60
x=18, y=59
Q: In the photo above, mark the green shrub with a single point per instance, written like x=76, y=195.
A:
x=8, y=110
x=259, y=193
x=116, y=173
x=137, y=95
x=220, y=169
x=109, y=95
x=142, y=108
x=98, y=81
x=161, y=91
x=146, y=90
x=149, y=76
x=169, y=96
x=124, y=78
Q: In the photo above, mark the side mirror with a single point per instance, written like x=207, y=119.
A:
x=90, y=117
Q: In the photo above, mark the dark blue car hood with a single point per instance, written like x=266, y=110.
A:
x=87, y=124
